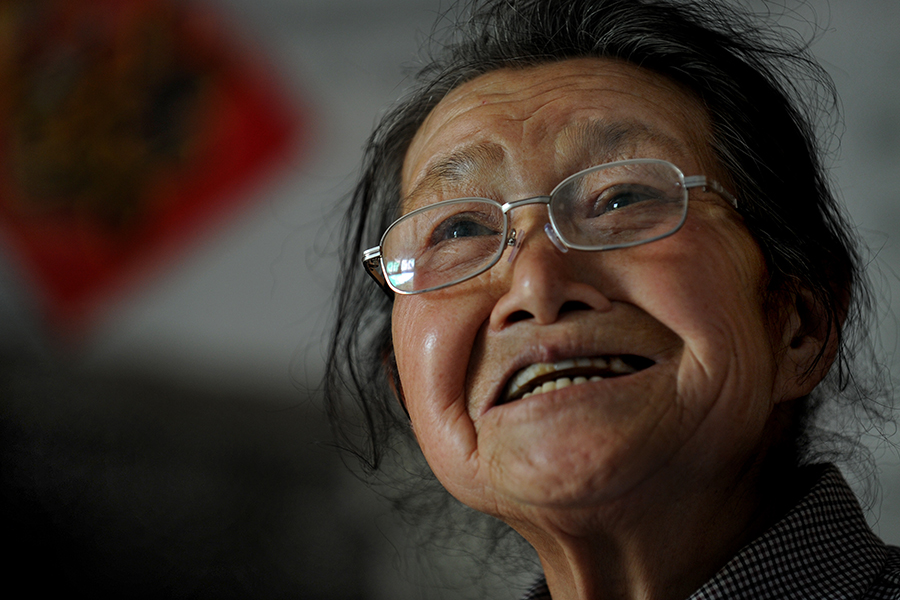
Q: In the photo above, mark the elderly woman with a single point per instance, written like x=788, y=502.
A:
x=615, y=289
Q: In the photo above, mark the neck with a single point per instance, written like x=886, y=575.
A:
x=656, y=549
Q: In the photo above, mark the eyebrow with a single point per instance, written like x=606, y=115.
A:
x=463, y=164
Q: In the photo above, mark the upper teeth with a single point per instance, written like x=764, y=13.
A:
x=614, y=365
x=558, y=384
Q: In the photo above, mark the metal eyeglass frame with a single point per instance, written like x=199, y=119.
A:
x=371, y=258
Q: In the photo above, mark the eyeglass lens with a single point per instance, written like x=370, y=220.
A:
x=610, y=206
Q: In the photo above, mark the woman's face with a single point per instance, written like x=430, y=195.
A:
x=690, y=305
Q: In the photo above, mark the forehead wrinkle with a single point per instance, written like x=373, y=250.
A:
x=600, y=142
x=467, y=163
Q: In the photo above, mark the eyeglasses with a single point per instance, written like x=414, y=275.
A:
x=614, y=205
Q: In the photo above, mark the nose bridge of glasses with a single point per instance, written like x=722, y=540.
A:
x=508, y=206
x=514, y=232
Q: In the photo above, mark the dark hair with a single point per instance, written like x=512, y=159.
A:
x=765, y=97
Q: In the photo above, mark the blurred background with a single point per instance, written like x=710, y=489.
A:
x=173, y=174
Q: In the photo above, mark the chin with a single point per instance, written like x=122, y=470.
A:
x=585, y=468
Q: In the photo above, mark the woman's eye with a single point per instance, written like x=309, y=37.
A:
x=458, y=228
x=623, y=196
x=467, y=229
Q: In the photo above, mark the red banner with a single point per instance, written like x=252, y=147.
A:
x=126, y=128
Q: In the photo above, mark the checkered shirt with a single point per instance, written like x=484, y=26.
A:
x=822, y=548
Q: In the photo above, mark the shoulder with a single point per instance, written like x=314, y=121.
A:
x=822, y=548
x=887, y=584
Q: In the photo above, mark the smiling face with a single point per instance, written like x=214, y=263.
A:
x=681, y=365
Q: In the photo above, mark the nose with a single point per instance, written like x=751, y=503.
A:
x=545, y=283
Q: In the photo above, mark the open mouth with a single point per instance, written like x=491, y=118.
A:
x=541, y=378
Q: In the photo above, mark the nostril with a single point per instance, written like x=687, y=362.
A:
x=568, y=306
x=519, y=315
x=573, y=305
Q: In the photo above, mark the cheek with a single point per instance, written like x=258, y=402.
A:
x=709, y=291
x=709, y=286
x=433, y=343
x=421, y=337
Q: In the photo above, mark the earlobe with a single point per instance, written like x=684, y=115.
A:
x=809, y=345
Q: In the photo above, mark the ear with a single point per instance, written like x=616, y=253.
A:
x=809, y=345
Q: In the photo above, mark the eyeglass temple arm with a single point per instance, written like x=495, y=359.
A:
x=709, y=184
x=371, y=260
